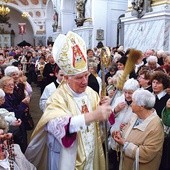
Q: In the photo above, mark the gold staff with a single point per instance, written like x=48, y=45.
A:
x=105, y=60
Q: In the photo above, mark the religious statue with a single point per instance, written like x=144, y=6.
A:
x=79, y=60
x=137, y=4
x=140, y=7
x=55, y=23
x=80, y=8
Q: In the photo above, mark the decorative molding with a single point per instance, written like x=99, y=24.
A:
x=35, y=2
x=38, y=13
x=24, y=2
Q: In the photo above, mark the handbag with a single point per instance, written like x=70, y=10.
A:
x=28, y=121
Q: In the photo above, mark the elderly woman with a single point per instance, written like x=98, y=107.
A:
x=123, y=113
x=12, y=105
x=19, y=88
x=141, y=141
x=122, y=105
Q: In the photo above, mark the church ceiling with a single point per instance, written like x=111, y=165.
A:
x=28, y=2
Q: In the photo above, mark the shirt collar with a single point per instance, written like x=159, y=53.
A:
x=142, y=126
x=74, y=93
x=58, y=81
x=161, y=94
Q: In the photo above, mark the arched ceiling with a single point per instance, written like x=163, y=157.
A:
x=28, y=2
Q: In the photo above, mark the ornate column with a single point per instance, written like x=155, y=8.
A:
x=84, y=21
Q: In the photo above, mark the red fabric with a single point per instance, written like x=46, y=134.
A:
x=69, y=138
x=112, y=118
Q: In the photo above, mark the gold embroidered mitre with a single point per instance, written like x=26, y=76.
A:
x=69, y=52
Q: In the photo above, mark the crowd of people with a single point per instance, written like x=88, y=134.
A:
x=70, y=134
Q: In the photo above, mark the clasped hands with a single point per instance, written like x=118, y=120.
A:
x=117, y=136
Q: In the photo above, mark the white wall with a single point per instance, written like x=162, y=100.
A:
x=99, y=15
x=105, y=16
x=49, y=19
x=67, y=15
x=115, y=9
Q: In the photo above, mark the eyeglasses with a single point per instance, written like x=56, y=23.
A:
x=8, y=85
x=141, y=77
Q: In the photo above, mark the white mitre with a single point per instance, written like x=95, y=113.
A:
x=69, y=52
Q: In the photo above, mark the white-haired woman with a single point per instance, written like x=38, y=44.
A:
x=142, y=139
x=122, y=105
x=123, y=113
x=20, y=87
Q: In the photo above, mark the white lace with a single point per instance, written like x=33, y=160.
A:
x=57, y=127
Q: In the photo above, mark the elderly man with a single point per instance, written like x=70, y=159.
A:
x=152, y=62
x=68, y=136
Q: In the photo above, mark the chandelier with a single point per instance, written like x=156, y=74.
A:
x=4, y=10
x=25, y=15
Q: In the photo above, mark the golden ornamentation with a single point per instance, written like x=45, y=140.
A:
x=159, y=2
x=4, y=10
x=25, y=14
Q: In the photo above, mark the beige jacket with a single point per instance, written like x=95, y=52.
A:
x=148, y=137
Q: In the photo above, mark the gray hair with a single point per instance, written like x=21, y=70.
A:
x=131, y=84
x=11, y=69
x=152, y=58
x=144, y=98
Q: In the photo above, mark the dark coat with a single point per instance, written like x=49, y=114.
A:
x=93, y=83
x=50, y=68
x=13, y=104
x=160, y=104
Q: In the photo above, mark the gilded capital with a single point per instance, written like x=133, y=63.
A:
x=159, y=2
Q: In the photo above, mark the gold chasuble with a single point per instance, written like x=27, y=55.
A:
x=62, y=104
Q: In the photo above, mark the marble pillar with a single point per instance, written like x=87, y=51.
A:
x=152, y=31
x=85, y=32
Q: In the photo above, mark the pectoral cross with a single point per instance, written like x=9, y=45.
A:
x=84, y=110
